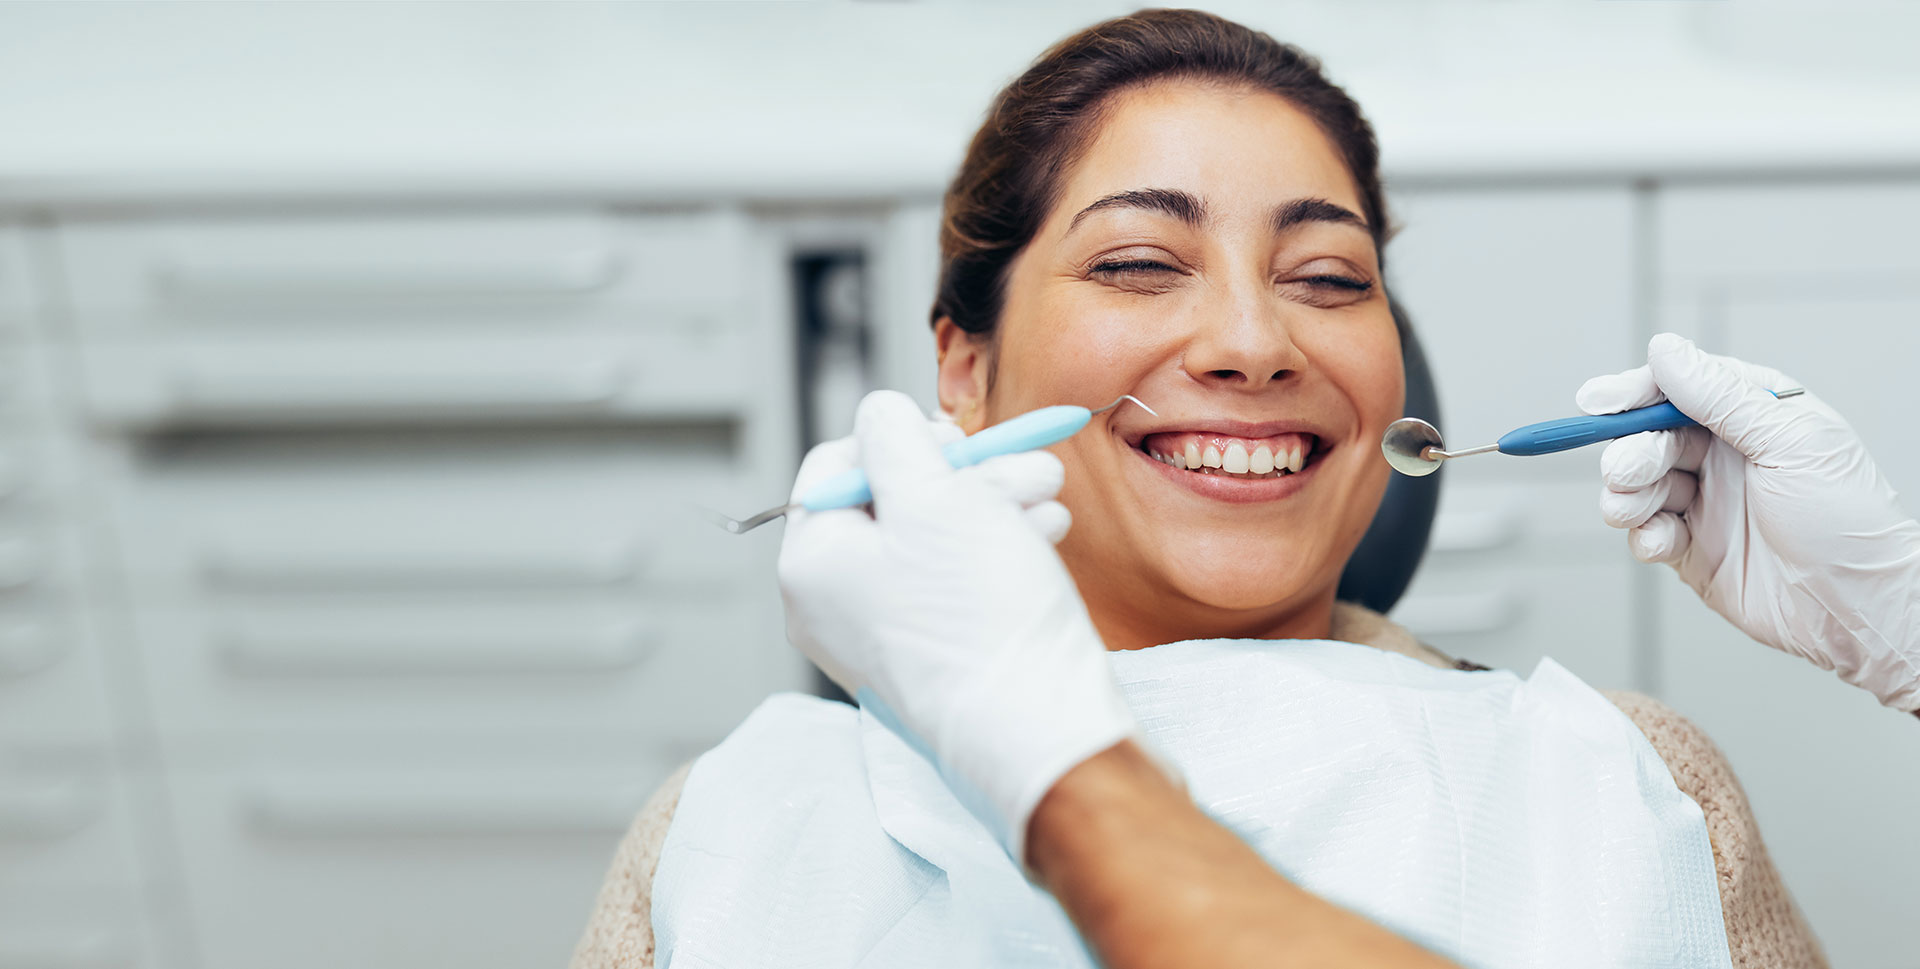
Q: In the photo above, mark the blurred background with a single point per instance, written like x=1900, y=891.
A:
x=356, y=360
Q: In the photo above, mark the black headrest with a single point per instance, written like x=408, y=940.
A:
x=1384, y=563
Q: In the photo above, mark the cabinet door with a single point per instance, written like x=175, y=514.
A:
x=391, y=858
x=1519, y=296
x=1822, y=282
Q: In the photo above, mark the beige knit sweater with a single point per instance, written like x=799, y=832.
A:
x=1764, y=928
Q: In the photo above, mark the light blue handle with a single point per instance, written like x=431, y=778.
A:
x=1568, y=433
x=1033, y=429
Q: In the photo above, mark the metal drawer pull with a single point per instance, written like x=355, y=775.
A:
x=317, y=570
x=358, y=653
x=1476, y=531
x=47, y=811
x=1458, y=615
x=27, y=648
x=318, y=813
x=244, y=397
x=559, y=274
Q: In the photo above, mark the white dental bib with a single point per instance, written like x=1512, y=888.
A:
x=1497, y=821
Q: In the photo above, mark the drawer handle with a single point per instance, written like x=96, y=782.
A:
x=559, y=274
x=247, y=398
x=1476, y=531
x=1458, y=615
x=236, y=570
x=46, y=812
x=266, y=654
x=288, y=813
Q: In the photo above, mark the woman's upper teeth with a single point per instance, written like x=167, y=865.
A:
x=1194, y=451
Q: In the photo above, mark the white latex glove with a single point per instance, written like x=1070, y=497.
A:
x=951, y=606
x=1772, y=511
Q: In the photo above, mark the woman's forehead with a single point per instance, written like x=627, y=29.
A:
x=1238, y=150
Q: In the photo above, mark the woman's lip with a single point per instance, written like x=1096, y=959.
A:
x=1226, y=488
x=1251, y=430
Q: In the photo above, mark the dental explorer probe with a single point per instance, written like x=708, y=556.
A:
x=1031, y=430
x=1413, y=446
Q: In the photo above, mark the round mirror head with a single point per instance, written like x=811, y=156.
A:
x=1405, y=444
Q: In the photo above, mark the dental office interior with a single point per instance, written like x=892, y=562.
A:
x=362, y=366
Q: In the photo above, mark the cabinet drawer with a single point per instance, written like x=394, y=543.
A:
x=409, y=862
x=546, y=270
x=285, y=380
x=1511, y=617
x=52, y=681
x=93, y=928
x=1517, y=571
x=64, y=824
x=683, y=671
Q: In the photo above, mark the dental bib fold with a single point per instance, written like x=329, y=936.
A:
x=1495, y=820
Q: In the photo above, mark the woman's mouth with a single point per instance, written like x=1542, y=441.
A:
x=1234, y=469
x=1275, y=456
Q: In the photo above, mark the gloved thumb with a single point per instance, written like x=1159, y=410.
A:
x=898, y=447
x=1716, y=392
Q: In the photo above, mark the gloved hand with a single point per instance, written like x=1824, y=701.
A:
x=1772, y=511
x=951, y=606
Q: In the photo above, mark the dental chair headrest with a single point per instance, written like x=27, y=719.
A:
x=1391, y=550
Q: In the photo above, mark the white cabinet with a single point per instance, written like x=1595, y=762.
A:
x=1823, y=282
x=1518, y=296
x=399, y=855
x=383, y=527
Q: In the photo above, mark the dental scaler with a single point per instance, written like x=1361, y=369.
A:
x=1031, y=430
x=1413, y=446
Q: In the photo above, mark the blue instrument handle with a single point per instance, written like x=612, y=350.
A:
x=1568, y=433
x=1031, y=430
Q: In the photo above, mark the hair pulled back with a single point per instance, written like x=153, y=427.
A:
x=1039, y=124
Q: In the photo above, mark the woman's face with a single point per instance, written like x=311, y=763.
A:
x=1207, y=255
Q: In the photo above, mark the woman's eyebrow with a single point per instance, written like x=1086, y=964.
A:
x=1170, y=201
x=1313, y=210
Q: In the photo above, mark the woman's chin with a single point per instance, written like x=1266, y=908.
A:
x=1246, y=584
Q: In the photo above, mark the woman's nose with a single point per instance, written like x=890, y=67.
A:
x=1247, y=345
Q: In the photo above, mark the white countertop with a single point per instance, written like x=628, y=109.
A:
x=102, y=103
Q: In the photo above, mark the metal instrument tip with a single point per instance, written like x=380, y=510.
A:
x=1125, y=397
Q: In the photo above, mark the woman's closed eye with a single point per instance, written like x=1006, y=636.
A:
x=1137, y=273
x=1328, y=289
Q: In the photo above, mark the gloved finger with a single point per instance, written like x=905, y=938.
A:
x=1638, y=460
x=1615, y=392
x=945, y=431
x=1695, y=442
x=1027, y=477
x=1719, y=393
x=1051, y=519
x=1631, y=509
x=898, y=448
x=823, y=461
x=1664, y=538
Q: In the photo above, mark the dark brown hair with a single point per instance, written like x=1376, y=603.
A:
x=1041, y=122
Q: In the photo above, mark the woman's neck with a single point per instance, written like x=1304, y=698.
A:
x=1141, y=623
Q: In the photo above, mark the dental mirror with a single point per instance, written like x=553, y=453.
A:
x=1413, y=447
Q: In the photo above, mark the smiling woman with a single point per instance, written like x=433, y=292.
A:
x=1206, y=252
x=1175, y=207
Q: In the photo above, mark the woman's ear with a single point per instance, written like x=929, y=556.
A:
x=964, y=364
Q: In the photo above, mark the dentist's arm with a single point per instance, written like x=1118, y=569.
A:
x=949, y=610
x=1773, y=512
x=1153, y=882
